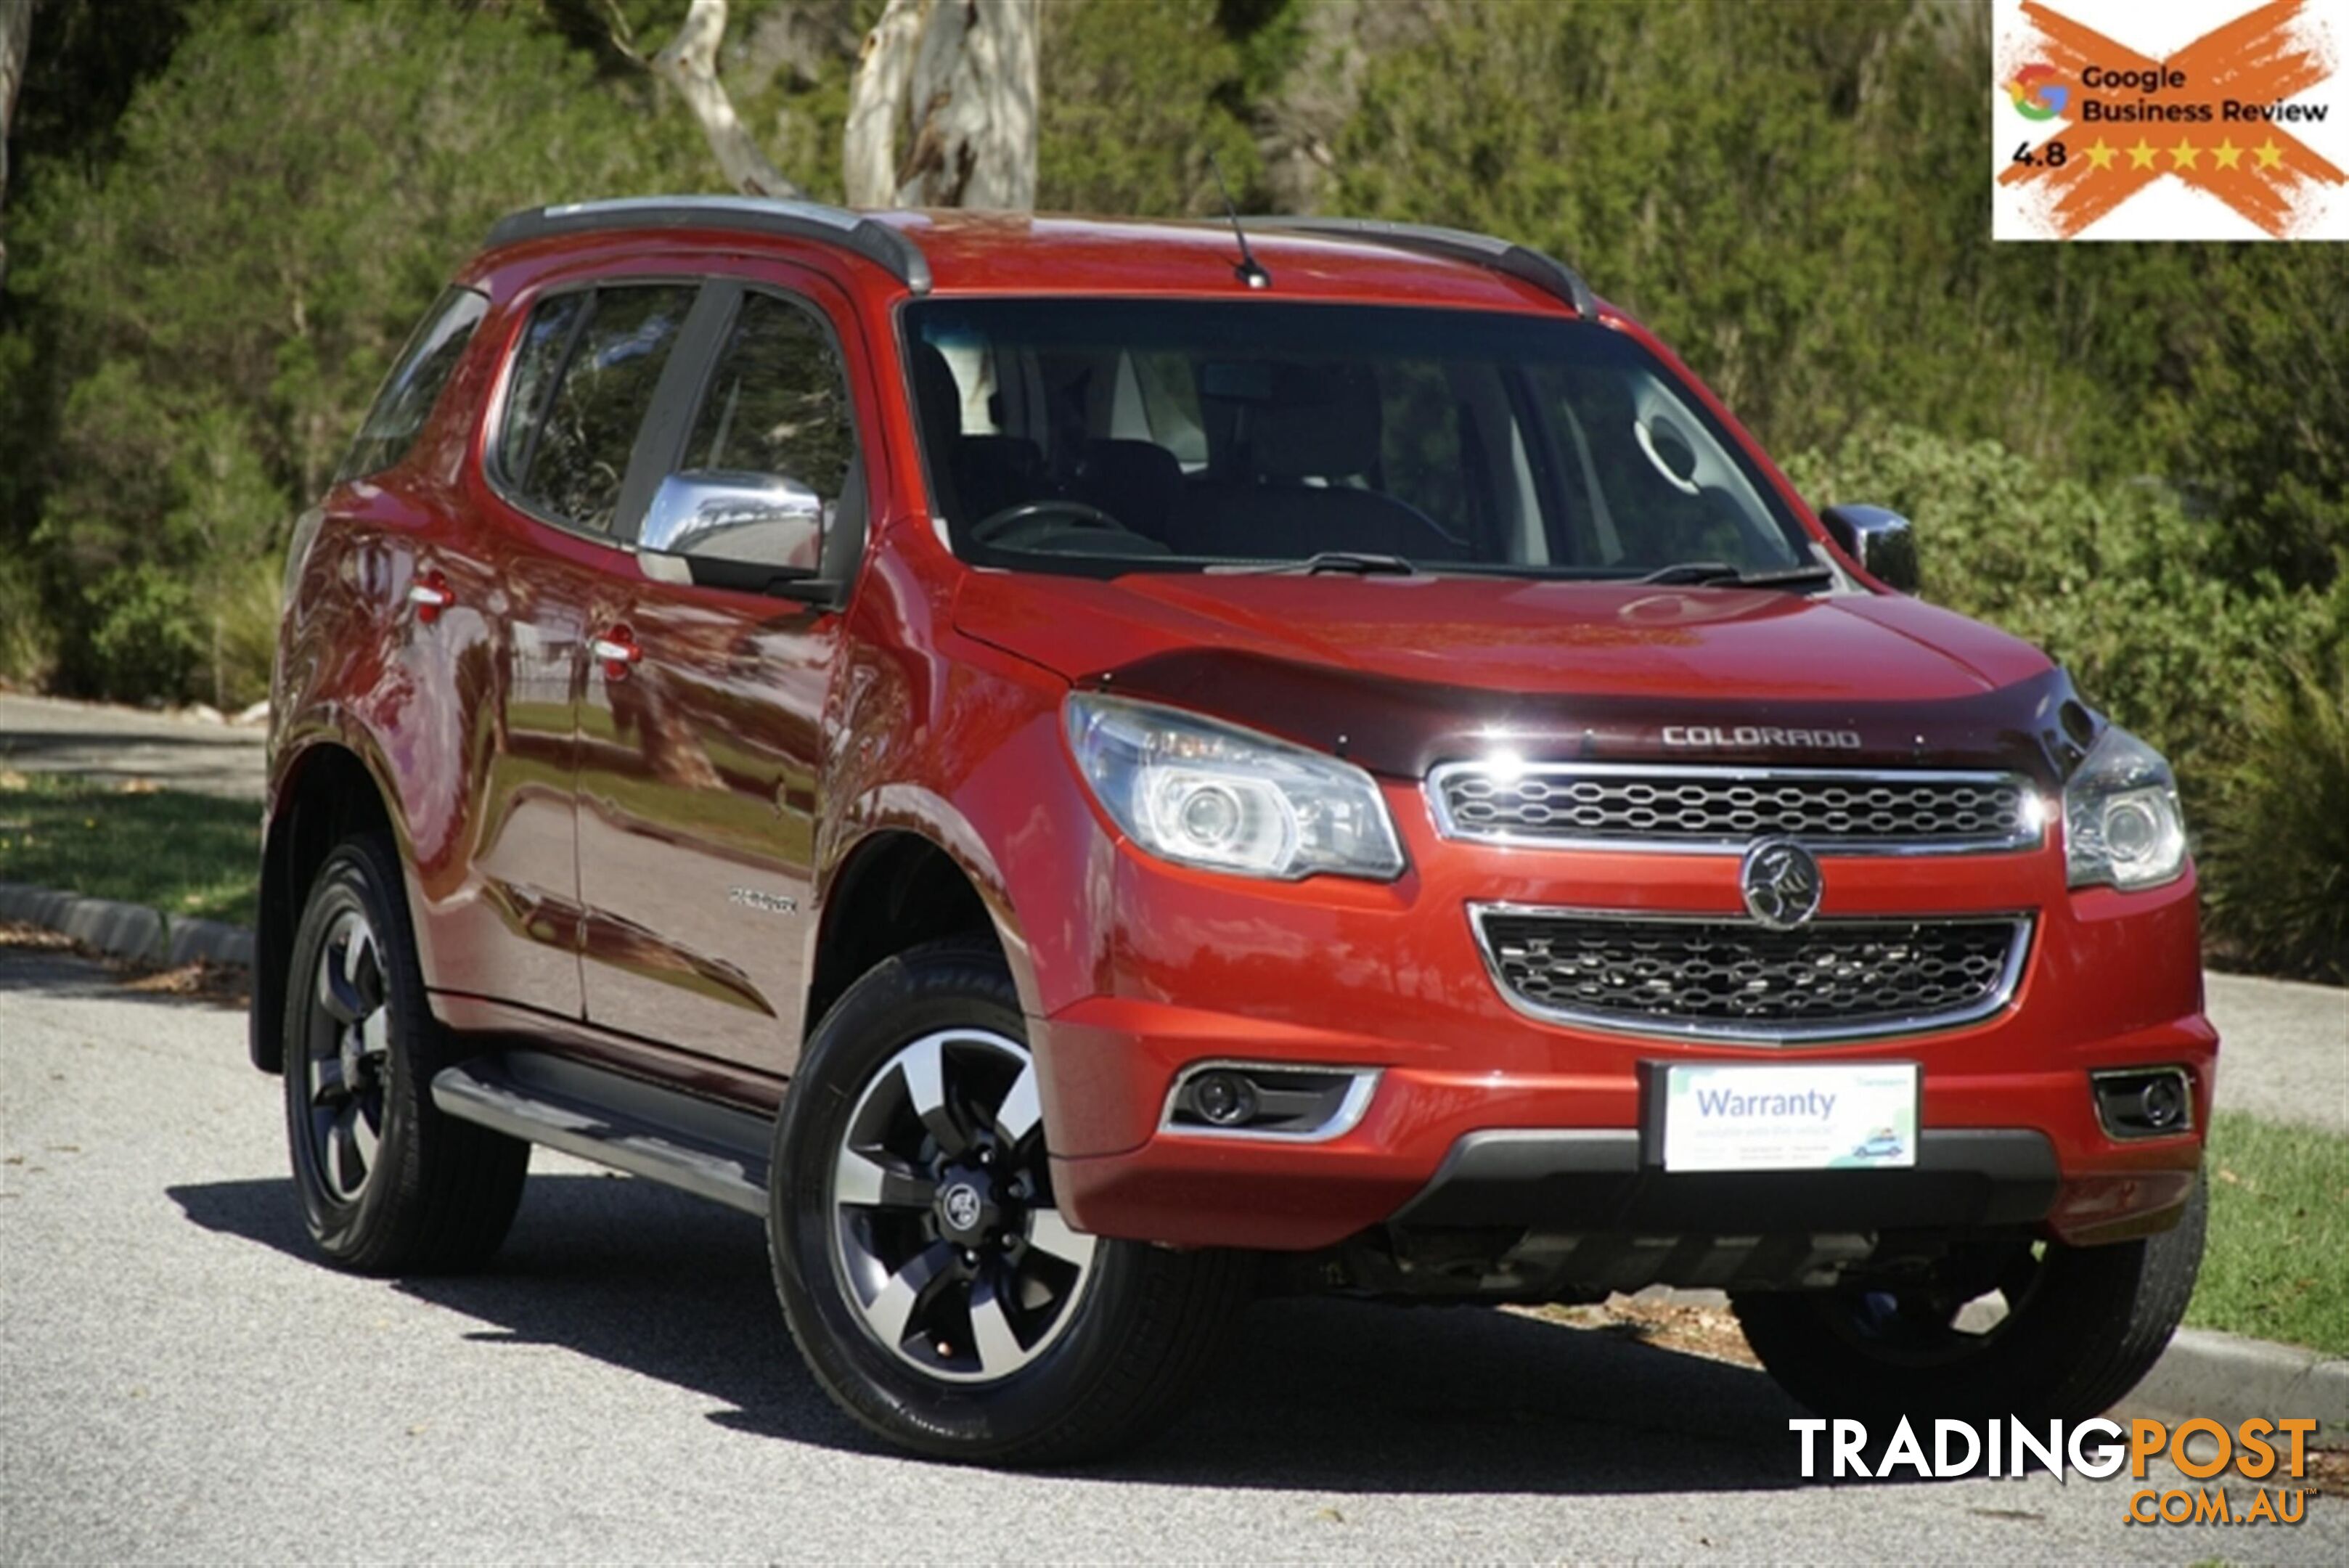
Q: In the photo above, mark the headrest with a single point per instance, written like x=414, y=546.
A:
x=1322, y=422
x=1130, y=465
x=937, y=395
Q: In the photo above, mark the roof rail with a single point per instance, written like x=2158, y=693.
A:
x=876, y=242
x=1544, y=272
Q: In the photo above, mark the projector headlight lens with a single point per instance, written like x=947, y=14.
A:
x=2122, y=824
x=1203, y=793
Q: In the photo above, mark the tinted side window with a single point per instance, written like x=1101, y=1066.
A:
x=536, y=364
x=778, y=403
x=580, y=453
x=414, y=384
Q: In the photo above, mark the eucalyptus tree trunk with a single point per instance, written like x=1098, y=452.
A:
x=16, y=45
x=941, y=111
x=955, y=80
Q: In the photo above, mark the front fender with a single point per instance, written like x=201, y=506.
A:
x=1021, y=832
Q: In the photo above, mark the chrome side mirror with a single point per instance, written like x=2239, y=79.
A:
x=1884, y=543
x=751, y=519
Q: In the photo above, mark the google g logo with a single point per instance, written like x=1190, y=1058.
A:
x=2038, y=93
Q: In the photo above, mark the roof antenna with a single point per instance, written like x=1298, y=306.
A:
x=1248, y=271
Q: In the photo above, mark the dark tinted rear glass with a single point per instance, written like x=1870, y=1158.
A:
x=536, y=364
x=414, y=386
x=574, y=467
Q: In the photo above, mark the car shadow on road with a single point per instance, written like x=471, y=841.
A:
x=1322, y=1396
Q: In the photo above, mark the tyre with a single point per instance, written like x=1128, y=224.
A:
x=389, y=1183
x=927, y=1273
x=2081, y=1326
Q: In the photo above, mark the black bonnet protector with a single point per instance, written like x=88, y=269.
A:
x=2037, y=727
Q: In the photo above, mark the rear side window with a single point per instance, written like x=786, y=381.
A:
x=415, y=383
x=537, y=362
x=584, y=378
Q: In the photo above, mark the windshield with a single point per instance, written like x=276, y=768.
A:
x=1111, y=435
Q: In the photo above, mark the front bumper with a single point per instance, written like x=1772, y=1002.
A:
x=1390, y=978
x=1567, y=1155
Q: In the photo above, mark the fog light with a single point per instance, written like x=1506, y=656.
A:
x=2144, y=1102
x=1223, y=1099
x=2163, y=1101
x=1269, y=1100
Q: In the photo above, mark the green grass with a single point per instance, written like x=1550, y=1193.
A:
x=2277, y=1263
x=182, y=854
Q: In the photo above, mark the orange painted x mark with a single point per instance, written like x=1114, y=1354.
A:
x=2252, y=59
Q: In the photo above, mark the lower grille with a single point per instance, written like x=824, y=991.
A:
x=1733, y=980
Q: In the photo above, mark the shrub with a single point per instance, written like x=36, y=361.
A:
x=25, y=651
x=2125, y=587
x=2276, y=864
x=2118, y=583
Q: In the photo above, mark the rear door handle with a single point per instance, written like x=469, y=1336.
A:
x=428, y=596
x=615, y=650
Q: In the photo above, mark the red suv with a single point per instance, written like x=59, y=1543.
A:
x=1086, y=771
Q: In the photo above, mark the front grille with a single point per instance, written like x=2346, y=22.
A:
x=1630, y=805
x=1735, y=980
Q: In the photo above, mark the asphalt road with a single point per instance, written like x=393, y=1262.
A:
x=43, y=734
x=179, y=1382
x=2284, y=1049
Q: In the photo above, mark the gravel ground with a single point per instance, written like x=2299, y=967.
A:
x=179, y=1383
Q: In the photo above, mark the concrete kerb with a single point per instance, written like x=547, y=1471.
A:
x=213, y=941
x=2229, y=1379
x=127, y=930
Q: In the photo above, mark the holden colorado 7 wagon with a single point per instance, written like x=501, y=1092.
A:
x=1088, y=771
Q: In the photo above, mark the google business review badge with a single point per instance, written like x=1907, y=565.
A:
x=2220, y=119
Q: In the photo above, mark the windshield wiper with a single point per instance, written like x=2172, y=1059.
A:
x=1721, y=573
x=1355, y=563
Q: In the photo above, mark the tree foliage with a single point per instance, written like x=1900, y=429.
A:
x=224, y=215
x=217, y=303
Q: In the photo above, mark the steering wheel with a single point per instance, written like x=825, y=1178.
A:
x=1425, y=521
x=994, y=526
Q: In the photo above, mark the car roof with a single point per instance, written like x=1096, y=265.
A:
x=970, y=252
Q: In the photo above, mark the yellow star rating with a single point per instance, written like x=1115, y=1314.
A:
x=2268, y=153
x=2141, y=155
x=2101, y=156
x=2183, y=155
x=2227, y=154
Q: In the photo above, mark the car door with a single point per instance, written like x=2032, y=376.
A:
x=701, y=725
x=583, y=374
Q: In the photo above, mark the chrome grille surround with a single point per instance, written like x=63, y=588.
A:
x=1704, y=977
x=1720, y=809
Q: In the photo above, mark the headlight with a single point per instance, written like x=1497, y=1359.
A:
x=1208, y=794
x=2121, y=822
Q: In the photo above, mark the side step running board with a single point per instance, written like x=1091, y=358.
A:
x=640, y=1127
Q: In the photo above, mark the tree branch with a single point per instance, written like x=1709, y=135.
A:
x=691, y=65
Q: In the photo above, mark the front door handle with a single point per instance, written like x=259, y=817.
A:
x=615, y=650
